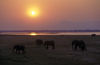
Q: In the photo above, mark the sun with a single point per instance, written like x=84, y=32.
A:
x=32, y=12
x=33, y=34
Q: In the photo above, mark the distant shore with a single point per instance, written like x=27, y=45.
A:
x=88, y=30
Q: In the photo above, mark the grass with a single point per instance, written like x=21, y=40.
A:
x=62, y=55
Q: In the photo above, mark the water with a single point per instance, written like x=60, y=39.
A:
x=50, y=33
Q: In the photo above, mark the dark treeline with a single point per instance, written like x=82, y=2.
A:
x=88, y=30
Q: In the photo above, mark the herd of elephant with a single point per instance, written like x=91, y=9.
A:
x=39, y=42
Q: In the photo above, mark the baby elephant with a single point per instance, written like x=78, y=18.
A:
x=18, y=48
x=49, y=43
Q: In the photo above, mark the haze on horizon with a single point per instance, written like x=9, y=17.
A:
x=49, y=14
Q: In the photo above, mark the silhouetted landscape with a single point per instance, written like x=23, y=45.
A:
x=49, y=32
x=61, y=55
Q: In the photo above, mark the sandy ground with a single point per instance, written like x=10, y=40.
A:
x=61, y=55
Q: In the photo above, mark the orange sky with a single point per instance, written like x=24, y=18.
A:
x=14, y=14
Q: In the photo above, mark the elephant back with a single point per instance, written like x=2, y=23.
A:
x=82, y=42
x=52, y=42
x=49, y=42
x=75, y=42
x=38, y=40
x=19, y=47
x=46, y=42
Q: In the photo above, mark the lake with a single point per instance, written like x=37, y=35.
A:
x=49, y=33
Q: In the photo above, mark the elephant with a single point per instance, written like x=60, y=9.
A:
x=49, y=43
x=39, y=42
x=79, y=43
x=93, y=35
x=18, y=48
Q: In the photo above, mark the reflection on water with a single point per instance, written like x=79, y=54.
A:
x=50, y=33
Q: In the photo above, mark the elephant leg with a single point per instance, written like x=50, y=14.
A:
x=24, y=51
x=75, y=47
x=38, y=44
x=82, y=49
x=47, y=47
x=85, y=49
x=16, y=51
x=53, y=47
x=19, y=51
x=42, y=44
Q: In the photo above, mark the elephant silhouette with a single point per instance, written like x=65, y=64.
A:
x=49, y=43
x=18, y=48
x=79, y=43
x=93, y=35
x=39, y=42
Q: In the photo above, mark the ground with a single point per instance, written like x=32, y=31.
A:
x=61, y=55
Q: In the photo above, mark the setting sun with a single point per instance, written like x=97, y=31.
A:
x=33, y=12
x=33, y=34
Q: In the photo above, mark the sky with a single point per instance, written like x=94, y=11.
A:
x=49, y=14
